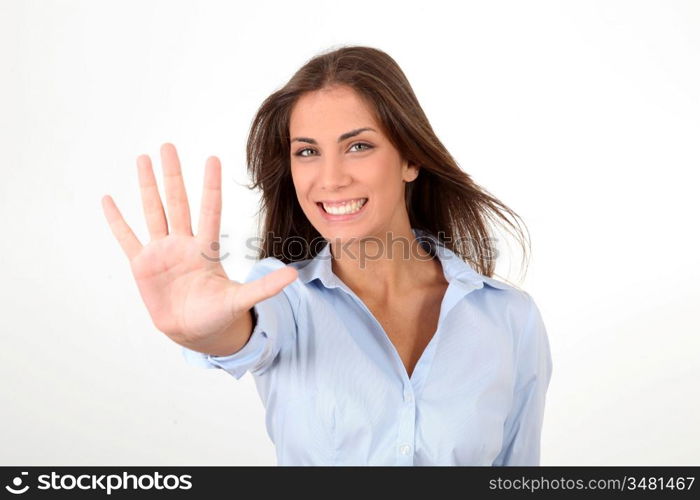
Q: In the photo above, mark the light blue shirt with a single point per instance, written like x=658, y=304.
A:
x=336, y=392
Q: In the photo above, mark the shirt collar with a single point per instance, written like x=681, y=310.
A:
x=457, y=272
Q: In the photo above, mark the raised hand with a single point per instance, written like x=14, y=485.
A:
x=179, y=276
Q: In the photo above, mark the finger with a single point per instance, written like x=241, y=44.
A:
x=120, y=229
x=178, y=208
x=210, y=212
x=152, y=204
x=249, y=294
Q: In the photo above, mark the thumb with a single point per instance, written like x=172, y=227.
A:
x=249, y=294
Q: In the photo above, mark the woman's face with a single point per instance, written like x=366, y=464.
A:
x=333, y=160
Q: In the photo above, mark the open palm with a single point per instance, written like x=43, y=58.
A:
x=179, y=275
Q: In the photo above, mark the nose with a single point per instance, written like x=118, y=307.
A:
x=333, y=175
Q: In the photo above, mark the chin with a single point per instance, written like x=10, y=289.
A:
x=341, y=230
x=343, y=234
x=340, y=233
x=350, y=236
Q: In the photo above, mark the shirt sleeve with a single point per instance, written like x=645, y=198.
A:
x=523, y=426
x=274, y=326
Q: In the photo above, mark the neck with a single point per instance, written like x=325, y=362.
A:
x=391, y=265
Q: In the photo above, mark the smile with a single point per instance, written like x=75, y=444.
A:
x=344, y=210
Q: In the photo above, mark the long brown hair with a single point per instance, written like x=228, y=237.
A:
x=443, y=199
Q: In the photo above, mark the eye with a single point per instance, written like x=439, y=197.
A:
x=367, y=146
x=299, y=153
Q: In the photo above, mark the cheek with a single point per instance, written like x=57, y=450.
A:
x=301, y=183
x=384, y=181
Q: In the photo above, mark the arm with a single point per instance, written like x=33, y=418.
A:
x=521, y=442
x=230, y=341
x=273, y=326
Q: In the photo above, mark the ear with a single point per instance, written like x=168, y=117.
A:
x=410, y=172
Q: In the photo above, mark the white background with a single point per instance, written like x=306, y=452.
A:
x=584, y=117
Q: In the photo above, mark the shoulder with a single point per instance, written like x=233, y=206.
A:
x=527, y=325
x=512, y=304
x=508, y=293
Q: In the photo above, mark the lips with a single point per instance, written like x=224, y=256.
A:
x=343, y=208
x=339, y=202
x=342, y=211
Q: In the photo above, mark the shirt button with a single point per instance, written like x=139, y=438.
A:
x=408, y=397
x=405, y=449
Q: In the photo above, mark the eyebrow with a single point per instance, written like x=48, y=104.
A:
x=346, y=135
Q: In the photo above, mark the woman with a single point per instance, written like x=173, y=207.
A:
x=371, y=338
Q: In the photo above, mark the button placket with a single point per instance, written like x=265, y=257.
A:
x=407, y=431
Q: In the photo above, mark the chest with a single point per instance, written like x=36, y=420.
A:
x=338, y=399
x=410, y=324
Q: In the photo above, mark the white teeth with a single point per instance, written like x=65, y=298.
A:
x=346, y=208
